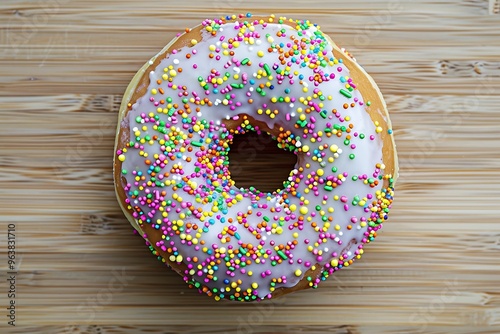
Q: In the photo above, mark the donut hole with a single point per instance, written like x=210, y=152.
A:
x=256, y=161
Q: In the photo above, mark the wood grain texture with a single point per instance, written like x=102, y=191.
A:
x=435, y=267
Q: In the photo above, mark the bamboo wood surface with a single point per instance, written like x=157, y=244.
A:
x=435, y=268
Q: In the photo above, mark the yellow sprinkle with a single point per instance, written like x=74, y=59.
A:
x=121, y=157
x=298, y=272
x=194, y=42
x=304, y=210
x=334, y=262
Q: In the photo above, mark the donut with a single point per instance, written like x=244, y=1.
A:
x=274, y=76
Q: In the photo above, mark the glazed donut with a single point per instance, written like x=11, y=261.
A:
x=271, y=75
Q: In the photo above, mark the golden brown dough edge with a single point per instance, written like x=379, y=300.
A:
x=138, y=87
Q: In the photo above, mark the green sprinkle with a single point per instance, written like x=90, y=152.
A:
x=301, y=123
x=245, y=61
x=345, y=93
x=267, y=69
x=196, y=143
x=266, y=218
x=328, y=188
x=282, y=255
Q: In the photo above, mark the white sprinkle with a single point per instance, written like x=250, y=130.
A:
x=176, y=61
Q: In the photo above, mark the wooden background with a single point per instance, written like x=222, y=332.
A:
x=64, y=65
